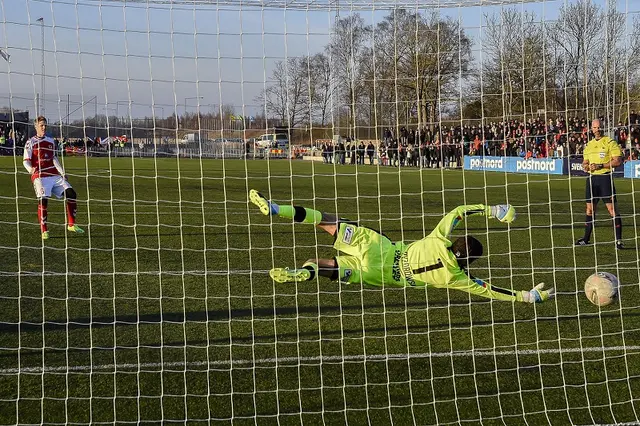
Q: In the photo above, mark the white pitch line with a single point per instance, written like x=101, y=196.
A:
x=309, y=359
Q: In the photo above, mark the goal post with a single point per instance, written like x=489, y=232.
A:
x=166, y=113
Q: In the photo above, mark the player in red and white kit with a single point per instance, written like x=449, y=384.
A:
x=48, y=177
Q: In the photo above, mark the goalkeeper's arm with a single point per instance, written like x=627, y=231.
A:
x=476, y=286
x=502, y=212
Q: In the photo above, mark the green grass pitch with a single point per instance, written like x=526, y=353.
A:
x=164, y=311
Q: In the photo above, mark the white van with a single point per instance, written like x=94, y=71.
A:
x=265, y=141
x=191, y=137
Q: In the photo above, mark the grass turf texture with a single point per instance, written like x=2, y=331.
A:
x=170, y=283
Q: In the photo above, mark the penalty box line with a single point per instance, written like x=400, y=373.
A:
x=159, y=366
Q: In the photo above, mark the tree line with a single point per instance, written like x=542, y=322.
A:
x=419, y=68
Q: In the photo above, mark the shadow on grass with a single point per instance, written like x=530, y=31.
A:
x=203, y=316
x=223, y=316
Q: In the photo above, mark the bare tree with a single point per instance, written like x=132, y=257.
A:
x=386, y=70
x=419, y=62
x=578, y=34
x=346, y=49
x=412, y=66
x=632, y=71
x=320, y=87
x=594, y=73
x=286, y=94
x=611, y=86
x=442, y=59
x=515, y=73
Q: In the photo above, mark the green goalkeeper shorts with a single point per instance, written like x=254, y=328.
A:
x=370, y=256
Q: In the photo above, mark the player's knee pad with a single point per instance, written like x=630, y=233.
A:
x=70, y=193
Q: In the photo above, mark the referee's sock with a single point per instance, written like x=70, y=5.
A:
x=617, y=222
x=300, y=214
x=588, y=227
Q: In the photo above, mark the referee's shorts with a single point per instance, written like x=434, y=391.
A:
x=600, y=187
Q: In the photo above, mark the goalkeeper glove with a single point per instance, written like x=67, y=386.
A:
x=503, y=212
x=537, y=294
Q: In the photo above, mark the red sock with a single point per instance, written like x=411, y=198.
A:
x=71, y=212
x=42, y=217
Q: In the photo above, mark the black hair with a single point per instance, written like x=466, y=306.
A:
x=466, y=249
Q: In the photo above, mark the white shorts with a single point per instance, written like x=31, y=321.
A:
x=50, y=185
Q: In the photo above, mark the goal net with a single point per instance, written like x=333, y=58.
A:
x=166, y=113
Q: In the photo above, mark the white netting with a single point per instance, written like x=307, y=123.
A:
x=391, y=114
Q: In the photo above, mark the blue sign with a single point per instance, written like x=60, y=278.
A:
x=552, y=166
x=632, y=169
x=574, y=168
x=495, y=164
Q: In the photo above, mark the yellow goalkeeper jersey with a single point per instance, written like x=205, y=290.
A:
x=430, y=262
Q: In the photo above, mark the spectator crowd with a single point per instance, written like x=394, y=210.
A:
x=445, y=146
x=434, y=147
x=10, y=138
x=13, y=140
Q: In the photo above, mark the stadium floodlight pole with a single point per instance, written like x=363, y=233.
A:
x=185, y=105
x=42, y=96
x=106, y=109
x=95, y=116
x=118, y=114
x=117, y=106
x=192, y=97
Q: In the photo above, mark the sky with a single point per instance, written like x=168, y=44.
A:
x=136, y=59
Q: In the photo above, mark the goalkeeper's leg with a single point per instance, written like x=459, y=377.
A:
x=325, y=221
x=311, y=268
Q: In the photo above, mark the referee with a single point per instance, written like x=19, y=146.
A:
x=601, y=155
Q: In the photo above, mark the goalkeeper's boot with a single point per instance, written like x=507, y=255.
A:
x=266, y=207
x=75, y=228
x=45, y=235
x=286, y=275
x=619, y=245
x=582, y=242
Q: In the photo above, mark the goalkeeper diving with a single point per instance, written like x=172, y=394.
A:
x=369, y=257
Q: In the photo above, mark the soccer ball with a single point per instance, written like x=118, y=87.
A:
x=601, y=288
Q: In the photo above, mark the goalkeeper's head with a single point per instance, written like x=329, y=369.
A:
x=466, y=249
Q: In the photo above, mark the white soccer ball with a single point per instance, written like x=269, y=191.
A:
x=601, y=288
